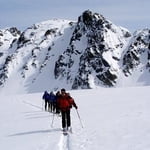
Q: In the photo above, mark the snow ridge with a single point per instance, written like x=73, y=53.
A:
x=90, y=53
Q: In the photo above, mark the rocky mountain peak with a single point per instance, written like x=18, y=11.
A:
x=98, y=33
x=89, y=18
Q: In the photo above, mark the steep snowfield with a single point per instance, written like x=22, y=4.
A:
x=7, y=36
x=113, y=119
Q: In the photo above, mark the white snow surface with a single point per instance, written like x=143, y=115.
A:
x=112, y=118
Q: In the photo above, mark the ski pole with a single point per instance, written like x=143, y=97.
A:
x=42, y=104
x=52, y=120
x=79, y=118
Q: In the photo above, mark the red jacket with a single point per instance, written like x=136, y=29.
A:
x=65, y=102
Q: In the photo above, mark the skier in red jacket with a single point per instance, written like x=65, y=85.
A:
x=65, y=103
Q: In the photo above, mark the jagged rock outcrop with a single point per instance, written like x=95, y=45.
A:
x=90, y=60
x=138, y=52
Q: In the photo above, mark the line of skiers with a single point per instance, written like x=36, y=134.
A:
x=61, y=102
x=50, y=102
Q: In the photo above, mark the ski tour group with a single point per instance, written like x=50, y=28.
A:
x=60, y=104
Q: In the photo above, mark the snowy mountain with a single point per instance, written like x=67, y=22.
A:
x=88, y=53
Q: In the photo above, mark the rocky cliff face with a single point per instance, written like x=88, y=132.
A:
x=93, y=52
x=7, y=38
x=138, y=52
x=85, y=54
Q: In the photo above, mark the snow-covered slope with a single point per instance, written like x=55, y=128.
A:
x=136, y=60
x=113, y=119
x=88, y=53
x=7, y=37
x=35, y=53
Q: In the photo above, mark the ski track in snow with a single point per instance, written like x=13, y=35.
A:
x=64, y=142
x=72, y=141
x=52, y=135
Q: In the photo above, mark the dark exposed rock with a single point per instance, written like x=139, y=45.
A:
x=1, y=43
x=14, y=40
x=14, y=31
x=139, y=46
x=50, y=31
x=1, y=54
x=22, y=40
x=87, y=17
x=107, y=78
x=1, y=34
x=149, y=46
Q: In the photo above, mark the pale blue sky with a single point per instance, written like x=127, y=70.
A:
x=131, y=14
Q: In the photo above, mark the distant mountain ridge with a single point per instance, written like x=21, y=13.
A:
x=89, y=53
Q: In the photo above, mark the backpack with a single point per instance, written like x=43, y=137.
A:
x=52, y=98
x=64, y=103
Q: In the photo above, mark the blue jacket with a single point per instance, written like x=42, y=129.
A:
x=52, y=97
x=46, y=96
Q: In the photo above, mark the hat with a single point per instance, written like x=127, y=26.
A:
x=63, y=90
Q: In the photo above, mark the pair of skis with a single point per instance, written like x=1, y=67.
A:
x=66, y=132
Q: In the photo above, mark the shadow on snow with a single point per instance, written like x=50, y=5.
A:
x=35, y=132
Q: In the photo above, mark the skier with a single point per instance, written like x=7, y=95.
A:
x=46, y=99
x=65, y=104
x=58, y=95
x=52, y=101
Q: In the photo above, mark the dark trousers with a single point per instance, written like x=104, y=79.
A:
x=66, y=120
x=54, y=107
x=57, y=108
x=51, y=106
x=46, y=104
